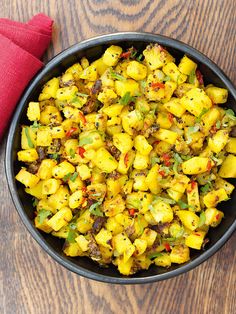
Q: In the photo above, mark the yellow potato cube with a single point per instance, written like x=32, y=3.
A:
x=196, y=165
x=161, y=212
x=231, y=145
x=28, y=155
x=164, y=120
x=124, y=267
x=186, y=65
x=28, y=138
x=123, y=142
x=28, y=179
x=104, y=238
x=195, y=100
x=195, y=240
x=105, y=161
x=193, y=196
x=140, y=246
x=217, y=95
x=140, y=161
x=100, y=66
x=44, y=137
x=140, y=183
x=111, y=55
x=218, y=141
x=136, y=70
x=149, y=236
x=174, y=106
x=173, y=72
x=62, y=169
x=228, y=167
x=66, y=93
x=125, y=161
x=170, y=87
x=83, y=242
x=211, y=199
x=36, y=191
x=175, y=195
x=180, y=254
x=60, y=219
x=166, y=136
x=45, y=168
x=213, y=217
x=75, y=70
x=114, y=206
x=113, y=110
x=152, y=179
x=107, y=96
x=84, y=62
x=84, y=222
x=59, y=199
x=127, y=86
x=221, y=183
x=73, y=249
x=50, y=89
x=113, y=225
x=76, y=199
x=57, y=132
x=89, y=73
x=163, y=260
x=50, y=186
x=33, y=111
x=142, y=145
x=188, y=219
x=84, y=172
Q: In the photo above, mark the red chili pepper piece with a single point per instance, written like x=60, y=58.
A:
x=199, y=77
x=167, y=247
x=166, y=158
x=197, y=234
x=156, y=142
x=126, y=160
x=70, y=132
x=213, y=129
x=84, y=189
x=217, y=216
x=80, y=151
x=162, y=173
x=157, y=85
x=131, y=211
x=193, y=184
x=209, y=165
x=126, y=54
x=82, y=118
x=170, y=117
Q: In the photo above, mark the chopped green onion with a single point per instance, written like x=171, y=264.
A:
x=117, y=76
x=74, y=176
x=205, y=188
x=192, y=77
x=126, y=99
x=67, y=176
x=42, y=215
x=202, y=219
x=154, y=255
x=71, y=236
x=230, y=113
x=30, y=143
x=204, y=110
x=183, y=205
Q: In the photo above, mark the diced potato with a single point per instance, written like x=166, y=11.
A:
x=173, y=72
x=111, y=55
x=193, y=196
x=75, y=184
x=213, y=217
x=180, y=254
x=195, y=101
x=28, y=155
x=136, y=70
x=156, y=57
x=113, y=110
x=132, y=120
x=140, y=246
x=166, y=136
x=62, y=169
x=228, y=167
x=180, y=183
x=149, y=236
x=100, y=66
x=113, y=225
x=36, y=191
x=33, y=111
x=195, y=240
x=161, y=212
x=140, y=161
x=127, y=86
x=73, y=249
x=84, y=62
x=75, y=70
x=50, y=89
x=174, y=106
x=163, y=260
x=142, y=145
x=59, y=199
x=188, y=219
x=175, y=195
x=140, y=183
x=196, y=165
x=84, y=222
x=125, y=162
x=83, y=242
x=44, y=137
x=182, y=89
x=218, y=141
x=221, y=183
x=60, y=219
x=114, y=206
x=107, y=96
x=125, y=267
x=50, y=186
x=90, y=140
x=105, y=161
x=218, y=95
x=45, y=168
x=113, y=187
x=57, y=132
x=164, y=120
x=44, y=204
x=89, y=73
x=28, y=138
x=211, y=199
x=231, y=145
x=152, y=179
x=186, y=65
x=84, y=172
x=76, y=199
x=28, y=179
x=170, y=87
x=123, y=142
x=104, y=237
x=209, y=119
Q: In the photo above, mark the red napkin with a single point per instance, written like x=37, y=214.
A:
x=21, y=46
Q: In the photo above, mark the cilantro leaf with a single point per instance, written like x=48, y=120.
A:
x=184, y=205
x=54, y=156
x=218, y=124
x=155, y=160
x=67, y=176
x=202, y=219
x=72, y=153
x=204, y=110
x=74, y=176
x=230, y=113
x=71, y=236
x=139, y=57
x=95, y=209
x=154, y=255
x=192, y=77
x=42, y=215
x=117, y=76
x=126, y=99
x=30, y=143
x=205, y=188
x=35, y=125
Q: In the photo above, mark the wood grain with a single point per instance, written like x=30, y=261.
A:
x=30, y=281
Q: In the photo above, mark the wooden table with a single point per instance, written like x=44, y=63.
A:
x=31, y=282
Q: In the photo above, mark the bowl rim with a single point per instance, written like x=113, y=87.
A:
x=88, y=43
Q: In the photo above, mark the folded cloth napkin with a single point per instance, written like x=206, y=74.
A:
x=21, y=47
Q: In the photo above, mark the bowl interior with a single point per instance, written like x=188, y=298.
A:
x=23, y=202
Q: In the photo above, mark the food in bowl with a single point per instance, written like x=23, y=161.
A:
x=127, y=157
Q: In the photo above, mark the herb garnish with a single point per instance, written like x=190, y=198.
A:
x=126, y=99
x=85, y=140
x=95, y=209
x=30, y=143
x=42, y=215
x=202, y=219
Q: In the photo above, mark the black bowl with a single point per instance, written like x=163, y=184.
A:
x=92, y=49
